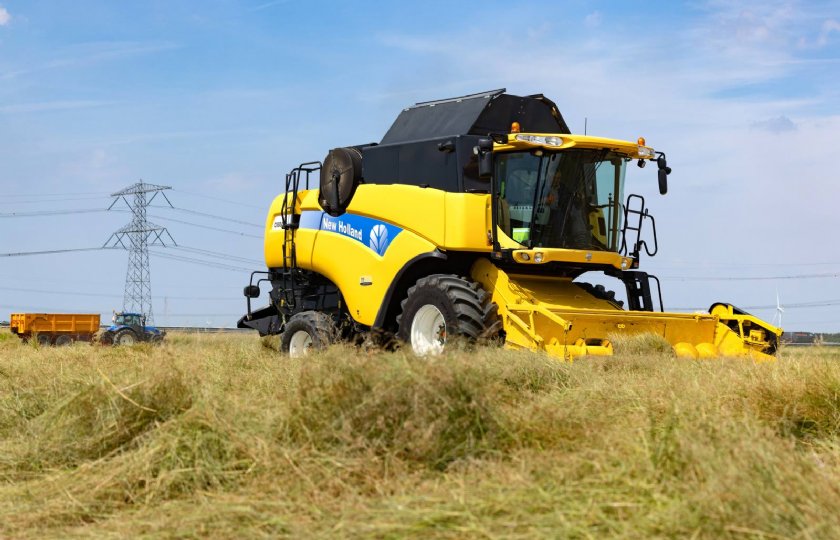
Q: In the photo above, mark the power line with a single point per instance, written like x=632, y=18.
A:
x=214, y=216
x=236, y=315
x=59, y=195
x=219, y=255
x=800, y=305
x=104, y=295
x=93, y=210
x=50, y=212
x=40, y=201
x=753, y=278
x=75, y=283
x=200, y=262
x=45, y=309
x=220, y=199
x=52, y=251
x=198, y=251
x=208, y=227
x=30, y=199
x=183, y=248
x=816, y=303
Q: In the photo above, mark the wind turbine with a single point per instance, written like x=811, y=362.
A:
x=779, y=311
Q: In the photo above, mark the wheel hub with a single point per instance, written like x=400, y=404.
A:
x=300, y=344
x=428, y=331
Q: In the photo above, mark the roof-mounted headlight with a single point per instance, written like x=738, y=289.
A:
x=540, y=139
x=645, y=152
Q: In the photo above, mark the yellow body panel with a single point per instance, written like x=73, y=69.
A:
x=448, y=221
x=468, y=222
x=554, y=315
x=581, y=256
x=366, y=276
x=630, y=149
x=362, y=275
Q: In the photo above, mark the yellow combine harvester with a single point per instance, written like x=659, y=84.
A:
x=472, y=218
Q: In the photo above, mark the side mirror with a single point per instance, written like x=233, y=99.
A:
x=251, y=291
x=663, y=181
x=484, y=150
x=664, y=171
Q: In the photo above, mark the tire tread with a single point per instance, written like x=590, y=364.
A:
x=477, y=317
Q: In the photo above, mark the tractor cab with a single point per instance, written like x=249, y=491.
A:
x=135, y=320
x=130, y=328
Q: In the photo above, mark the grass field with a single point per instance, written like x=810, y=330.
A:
x=219, y=436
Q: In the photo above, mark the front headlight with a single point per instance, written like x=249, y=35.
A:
x=645, y=152
x=540, y=139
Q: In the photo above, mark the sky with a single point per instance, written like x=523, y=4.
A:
x=218, y=99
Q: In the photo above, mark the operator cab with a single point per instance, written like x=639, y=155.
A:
x=570, y=199
x=558, y=200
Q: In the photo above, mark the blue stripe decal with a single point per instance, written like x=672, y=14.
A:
x=373, y=233
x=310, y=219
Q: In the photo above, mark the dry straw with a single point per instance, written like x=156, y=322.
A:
x=220, y=436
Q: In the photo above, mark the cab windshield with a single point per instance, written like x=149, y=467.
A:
x=569, y=199
x=128, y=320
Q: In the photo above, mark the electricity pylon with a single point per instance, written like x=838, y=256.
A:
x=136, y=237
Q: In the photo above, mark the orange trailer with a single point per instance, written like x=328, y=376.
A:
x=55, y=328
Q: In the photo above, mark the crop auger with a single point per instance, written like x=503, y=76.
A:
x=472, y=218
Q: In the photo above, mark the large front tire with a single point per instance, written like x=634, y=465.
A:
x=125, y=338
x=441, y=306
x=307, y=331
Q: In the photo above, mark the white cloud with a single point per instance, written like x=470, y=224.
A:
x=5, y=16
x=87, y=54
x=775, y=125
x=95, y=168
x=593, y=19
x=828, y=27
x=51, y=106
x=267, y=5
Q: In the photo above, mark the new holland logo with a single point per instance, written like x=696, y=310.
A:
x=379, y=239
x=371, y=233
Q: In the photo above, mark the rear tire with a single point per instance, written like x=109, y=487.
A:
x=62, y=340
x=44, y=340
x=441, y=306
x=125, y=337
x=307, y=331
x=601, y=293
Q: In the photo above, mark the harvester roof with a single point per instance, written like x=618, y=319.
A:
x=431, y=144
x=475, y=114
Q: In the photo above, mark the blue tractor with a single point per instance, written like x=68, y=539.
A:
x=130, y=328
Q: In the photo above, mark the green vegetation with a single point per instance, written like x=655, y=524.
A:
x=216, y=435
